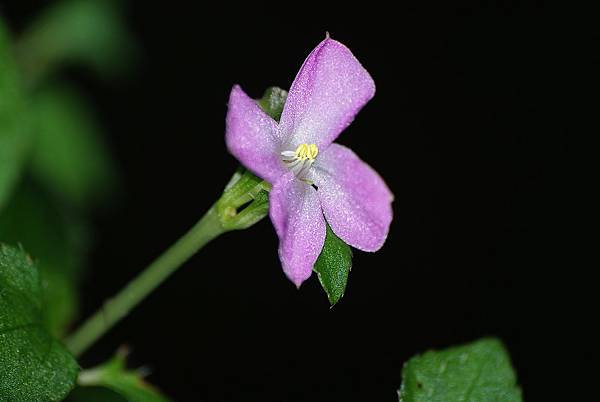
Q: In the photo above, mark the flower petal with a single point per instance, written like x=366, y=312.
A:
x=252, y=136
x=329, y=90
x=296, y=214
x=355, y=199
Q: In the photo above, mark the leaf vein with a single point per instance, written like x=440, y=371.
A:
x=471, y=387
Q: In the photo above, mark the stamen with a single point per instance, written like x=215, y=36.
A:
x=306, y=166
x=300, y=160
x=288, y=155
x=305, y=151
x=313, y=151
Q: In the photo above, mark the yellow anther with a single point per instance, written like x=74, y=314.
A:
x=305, y=151
x=301, y=151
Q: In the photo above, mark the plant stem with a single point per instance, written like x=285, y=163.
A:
x=207, y=228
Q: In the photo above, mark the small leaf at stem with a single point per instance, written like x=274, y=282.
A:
x=476, y=372
x=115, y=376
x=33, y=365
x=333, y=265
x=273, y=101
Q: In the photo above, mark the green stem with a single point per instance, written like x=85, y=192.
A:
x=207, y=228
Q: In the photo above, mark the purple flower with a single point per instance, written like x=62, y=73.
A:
x=313, y=179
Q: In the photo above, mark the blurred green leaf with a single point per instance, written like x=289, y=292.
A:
x=33, y=365
x=273, y=101
x=57, y=241
x=14, y=132
x=127, y=383
x=333, y=266
x=69, y=155
x=89, y=32
x=476, y=372
x=94, y=394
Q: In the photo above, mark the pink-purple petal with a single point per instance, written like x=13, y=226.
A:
x=296, y=214
x=355, y=199
x=329, y=90
x=252, y=137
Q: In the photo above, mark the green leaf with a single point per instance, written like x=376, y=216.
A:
x=88, y=32
x=14, y=132
x=333, y=265
x=57, y=240
x=476, y=372
x=115, y=376
x=273, y=101
x=33, y=365
x=69, y=155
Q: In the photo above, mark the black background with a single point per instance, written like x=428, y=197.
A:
x=464, y=128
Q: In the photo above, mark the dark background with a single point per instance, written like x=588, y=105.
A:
x=464, y=128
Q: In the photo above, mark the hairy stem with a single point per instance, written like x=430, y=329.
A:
x=205, y=230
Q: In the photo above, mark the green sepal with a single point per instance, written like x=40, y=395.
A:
x=476, y=372
x=244, y=202
x=115, y=376
x=273, y=101
x=251, y=214
x=333, y=266
x=33, y=365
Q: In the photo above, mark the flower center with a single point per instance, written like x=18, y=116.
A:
x=300, y=160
